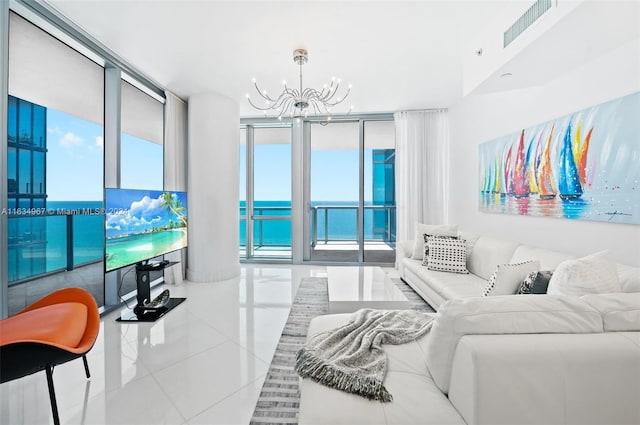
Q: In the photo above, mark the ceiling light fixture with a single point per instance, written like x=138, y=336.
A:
x=297, y=103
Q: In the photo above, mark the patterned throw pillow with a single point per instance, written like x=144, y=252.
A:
x=507, y=278
x=446, y=254
x=535, y=283
x=426, y=245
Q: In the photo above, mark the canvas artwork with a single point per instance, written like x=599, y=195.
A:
x=584, y=166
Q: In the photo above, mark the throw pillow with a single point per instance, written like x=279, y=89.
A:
x=535, y=283
x=447, y=254
x=593, y=274
x=426, y=246
x=507, y=278
x=430, y=229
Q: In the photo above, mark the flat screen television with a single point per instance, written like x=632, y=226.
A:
x=142, y=224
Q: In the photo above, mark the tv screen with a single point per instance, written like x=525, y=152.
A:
x=142, y=224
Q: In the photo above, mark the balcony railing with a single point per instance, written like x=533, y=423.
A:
x=379, y=223
x=268, y=229
x=44, y=242
x=329, y=223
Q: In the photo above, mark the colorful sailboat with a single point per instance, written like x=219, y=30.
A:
x=520, y=180
x=497, y=178
x=580, y=150
x=582, y=161
x=508, y=173
x=533, y=159
x=569, y=179
x=546, y=189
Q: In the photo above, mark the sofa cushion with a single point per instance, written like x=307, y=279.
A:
x=445, y=254
x=471, y=239
x=448, y=285
x=430, y=229
x=549, y=260
x=593, y=274
x=508, y=277
x=416, y=399
x=629, y=278
x=620, y=311
x=487, y=253
x=502, y=315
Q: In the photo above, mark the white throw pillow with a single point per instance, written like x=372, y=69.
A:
x=593, y=274
x=430, y=229
x=507, y=278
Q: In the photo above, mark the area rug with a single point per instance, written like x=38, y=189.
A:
x=280, y=397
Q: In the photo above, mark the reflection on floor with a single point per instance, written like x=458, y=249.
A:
x=89, y=277
x=203, y=363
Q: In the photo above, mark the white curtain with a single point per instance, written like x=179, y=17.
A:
x=422, y=169
x=175, y=169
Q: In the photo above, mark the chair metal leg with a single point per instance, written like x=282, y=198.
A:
x=86, y=366
x=52, y=395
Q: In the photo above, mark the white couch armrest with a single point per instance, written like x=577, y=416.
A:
x=403, y=250
x=547, y=379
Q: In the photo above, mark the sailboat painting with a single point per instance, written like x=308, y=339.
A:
x=585, y=166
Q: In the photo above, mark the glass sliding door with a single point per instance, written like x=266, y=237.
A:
x=334, y=192
x=265, y=230
x=379, y=192
x=243, y=192
x=351, y=192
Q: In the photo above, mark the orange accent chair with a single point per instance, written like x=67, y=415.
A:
x=58, y=328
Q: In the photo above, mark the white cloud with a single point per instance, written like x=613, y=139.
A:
x=54, y=130
x=70, y=140
x=137, y=215
x=100, y=141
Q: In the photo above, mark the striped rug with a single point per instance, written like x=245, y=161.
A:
x=280, y=397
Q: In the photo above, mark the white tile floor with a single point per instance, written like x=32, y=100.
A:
x=202, y=363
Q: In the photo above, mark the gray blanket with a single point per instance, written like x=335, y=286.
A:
x=350, y=358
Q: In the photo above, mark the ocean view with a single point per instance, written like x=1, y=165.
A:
x=340, y=225
x=39, y=244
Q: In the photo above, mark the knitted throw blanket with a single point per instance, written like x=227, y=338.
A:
x=350, y=358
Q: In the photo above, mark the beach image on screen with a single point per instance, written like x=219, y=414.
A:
x=142, y=224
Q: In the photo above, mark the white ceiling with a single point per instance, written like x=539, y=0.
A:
x=398, y=55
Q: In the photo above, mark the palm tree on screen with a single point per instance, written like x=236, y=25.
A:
x=174, y=206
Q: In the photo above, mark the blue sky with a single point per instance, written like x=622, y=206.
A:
x=75, y=166
x=334, y=174
x=75, y=160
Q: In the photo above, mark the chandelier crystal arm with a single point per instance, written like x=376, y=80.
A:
x=297, y=102
x=263, y=93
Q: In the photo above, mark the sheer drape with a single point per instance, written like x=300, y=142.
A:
x=175, y=168
x=422, y=169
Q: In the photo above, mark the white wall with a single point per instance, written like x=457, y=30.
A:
x=478, y=119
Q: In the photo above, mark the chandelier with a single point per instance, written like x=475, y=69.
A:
x=297, y=103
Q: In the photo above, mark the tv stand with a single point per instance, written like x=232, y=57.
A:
x=146, y=309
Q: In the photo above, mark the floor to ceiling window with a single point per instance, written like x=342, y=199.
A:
x=379, y=192
x=55, y=165
x=334, y=191
x=265, y=202
x=347, y=194
x=69, y=106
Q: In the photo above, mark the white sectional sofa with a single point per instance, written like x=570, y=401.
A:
x=514, y=359
x=484, y=253
x=524, y=359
